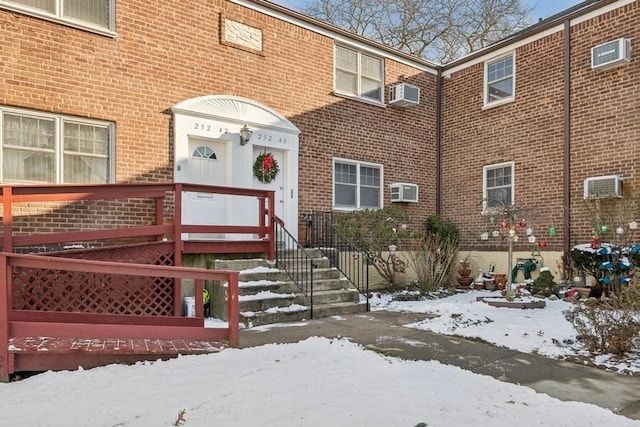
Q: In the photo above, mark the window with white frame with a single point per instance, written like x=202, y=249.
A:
x=499, y=80
x=356, y=185
x=96, y=14
x=498, y=185
x=358, y=74
x=47, y=148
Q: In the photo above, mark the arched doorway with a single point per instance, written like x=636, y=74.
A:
x=209, y=150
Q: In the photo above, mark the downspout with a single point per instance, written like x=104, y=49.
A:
x=438, y=140
x=567, y=137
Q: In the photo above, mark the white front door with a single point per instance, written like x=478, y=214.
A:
x=207, y=164
x=277, y=184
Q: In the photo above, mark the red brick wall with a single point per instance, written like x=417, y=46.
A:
x=605, y=118
x=166, y=52
x=530, y=131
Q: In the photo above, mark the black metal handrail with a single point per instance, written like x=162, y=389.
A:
x=292, y=258
x=342, y=253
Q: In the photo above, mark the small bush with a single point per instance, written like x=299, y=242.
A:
x=544, y=284
x=380, y=233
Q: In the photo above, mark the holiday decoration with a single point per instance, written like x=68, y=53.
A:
x=265, y=168
x=552, y=231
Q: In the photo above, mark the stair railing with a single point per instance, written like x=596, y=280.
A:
x=343, y=254
x=292, y=258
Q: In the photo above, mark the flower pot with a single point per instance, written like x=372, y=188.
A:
x=466, y=272
x=501, y=279
x=464, y=282
x=490, y=285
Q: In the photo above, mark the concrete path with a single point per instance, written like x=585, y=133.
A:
x=384, y=332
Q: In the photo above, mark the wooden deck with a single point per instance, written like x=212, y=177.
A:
x=46, y=353
x=112, y=302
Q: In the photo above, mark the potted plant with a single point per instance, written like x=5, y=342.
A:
x=464, y=271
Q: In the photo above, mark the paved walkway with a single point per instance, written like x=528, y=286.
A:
x=384, y=332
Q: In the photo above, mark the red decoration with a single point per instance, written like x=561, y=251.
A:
x=542, y=244
x=523, y=223
x=265, y=168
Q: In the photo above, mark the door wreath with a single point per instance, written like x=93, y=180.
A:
x=265, y=168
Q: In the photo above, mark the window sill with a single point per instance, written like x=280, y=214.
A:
x=359, y=98
x=59, y=20
x=499, y=103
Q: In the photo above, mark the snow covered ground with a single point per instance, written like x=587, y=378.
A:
x=318, y=382
x=542, y=331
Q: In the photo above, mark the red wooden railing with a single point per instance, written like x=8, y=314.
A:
x=86, y=322
x=156, y=227
x=49, y=215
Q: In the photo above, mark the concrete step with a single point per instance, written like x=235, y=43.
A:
x=330, y=297
x=254, y=287
x=263, y=301
x=331, y=284
x=340, y=308
x=293, y=313
x=242, y=264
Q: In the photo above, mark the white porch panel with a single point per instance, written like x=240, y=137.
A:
x=215, y=121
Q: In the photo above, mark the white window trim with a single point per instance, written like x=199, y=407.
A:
x=485, y=208
x=58, y=18
x=357, y=164
x=486, y=103
x=380, y=101
x=59, y=119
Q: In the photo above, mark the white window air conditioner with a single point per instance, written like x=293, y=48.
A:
x=403, y=192
x=603, y=187
x=612, y=54
x=404, y=95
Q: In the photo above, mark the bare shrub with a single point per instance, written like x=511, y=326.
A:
x=610, y=325
x=433, y=261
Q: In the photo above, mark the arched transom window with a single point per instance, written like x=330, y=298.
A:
x=204, y=153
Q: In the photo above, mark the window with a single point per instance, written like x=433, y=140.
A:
x=89, y=14
x=358, y=74
x=499, y=80
x=356, y=185
x=55, y=149
x=498, y=186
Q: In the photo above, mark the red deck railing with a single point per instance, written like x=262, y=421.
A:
x=86, y=321
x=41, y=226
x=66, y=297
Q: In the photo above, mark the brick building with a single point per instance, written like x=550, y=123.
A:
x=112, y=91
x=529, y=119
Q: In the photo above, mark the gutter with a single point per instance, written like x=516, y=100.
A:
x=545, y=24
x=567, y=138
x=438, y=141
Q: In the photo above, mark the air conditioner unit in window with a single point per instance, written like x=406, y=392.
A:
x=603, y=187
x=403, y=192
x=404, y=95
x=612, y=54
